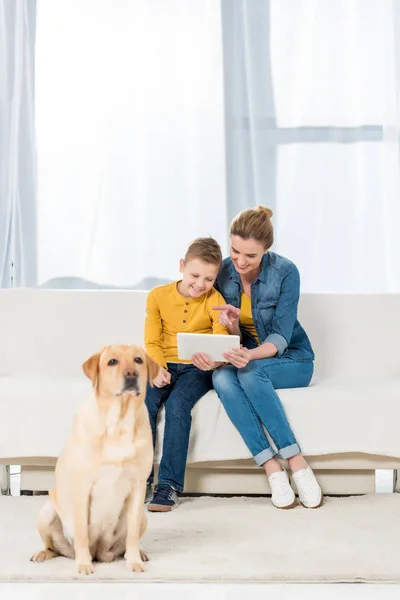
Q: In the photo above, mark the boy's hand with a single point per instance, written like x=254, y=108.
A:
x=229, y=315
x=203, y=362
x=163, y=378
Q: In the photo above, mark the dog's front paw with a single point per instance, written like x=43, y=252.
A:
x=84, y=568
x=137, y=567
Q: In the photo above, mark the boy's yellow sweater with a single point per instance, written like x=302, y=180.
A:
x=168, y=313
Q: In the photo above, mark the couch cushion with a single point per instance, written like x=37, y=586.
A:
x=60, y=329
x=330, y=416
x=346, y=415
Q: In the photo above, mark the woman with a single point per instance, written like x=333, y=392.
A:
x=262, y=291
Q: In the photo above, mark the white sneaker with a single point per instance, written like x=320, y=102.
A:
x=282, y=494
x=310, y=493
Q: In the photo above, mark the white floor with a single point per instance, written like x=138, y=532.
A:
x=106, y=591
x=143, y=591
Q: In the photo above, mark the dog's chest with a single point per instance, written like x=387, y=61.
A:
x=118, y=438
x=108, y=496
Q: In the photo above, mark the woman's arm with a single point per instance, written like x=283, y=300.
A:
x=229, y=318
x=281, y=327
x=285, y=314
x=234, y=329
x=265, y=350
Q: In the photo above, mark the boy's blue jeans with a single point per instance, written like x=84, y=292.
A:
x=249, y=398
x=188, y=385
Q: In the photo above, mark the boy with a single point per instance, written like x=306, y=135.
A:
x=182, y=306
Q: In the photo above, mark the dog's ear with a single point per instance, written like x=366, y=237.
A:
x=152, y=369
x=91, y=367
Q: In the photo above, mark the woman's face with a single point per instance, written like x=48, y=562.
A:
x=246, y=254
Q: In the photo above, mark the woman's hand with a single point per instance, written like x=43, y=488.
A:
x=238, y=357
x=163, y=378
x=203, y=362
x=229, y=315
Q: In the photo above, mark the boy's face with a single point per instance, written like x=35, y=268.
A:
x=197, y=277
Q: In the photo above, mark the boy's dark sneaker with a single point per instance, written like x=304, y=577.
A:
x=149, y=493
x=164, y=499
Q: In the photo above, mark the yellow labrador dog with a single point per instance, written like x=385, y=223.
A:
x=96, y=511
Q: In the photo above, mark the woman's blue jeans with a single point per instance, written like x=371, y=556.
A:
x=249, y=398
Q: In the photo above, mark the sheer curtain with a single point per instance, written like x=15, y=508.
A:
x=338, y=196
x=158, y=120
x=313, y=129
x=17, y=144
x=130, y=131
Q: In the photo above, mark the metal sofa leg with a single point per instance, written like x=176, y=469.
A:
x=396, y=480
x=5, y=481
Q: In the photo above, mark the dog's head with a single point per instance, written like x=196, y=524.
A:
x=117, y=370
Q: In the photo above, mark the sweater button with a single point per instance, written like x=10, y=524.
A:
x=184, y=320
x=185, y=310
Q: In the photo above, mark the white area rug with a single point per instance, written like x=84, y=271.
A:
x=232, y=540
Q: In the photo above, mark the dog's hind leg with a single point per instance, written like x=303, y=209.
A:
x=51, y=531
x=45, y=522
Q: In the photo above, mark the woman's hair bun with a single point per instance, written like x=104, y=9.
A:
x=267, y=211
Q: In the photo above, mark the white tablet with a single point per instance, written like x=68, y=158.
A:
x=212, y=344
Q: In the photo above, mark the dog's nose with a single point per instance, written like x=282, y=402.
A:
x=130, y=373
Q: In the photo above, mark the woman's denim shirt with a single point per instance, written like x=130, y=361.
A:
x=274, y=299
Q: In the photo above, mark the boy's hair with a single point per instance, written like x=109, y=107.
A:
x=254, y=223
x=206, y=249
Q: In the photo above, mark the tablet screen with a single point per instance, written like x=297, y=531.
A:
x=213, y=345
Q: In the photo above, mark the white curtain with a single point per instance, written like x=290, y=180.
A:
x=313, y=132
x=130, y=132
x=158, y=120
x=338, y=201
x=17, y=144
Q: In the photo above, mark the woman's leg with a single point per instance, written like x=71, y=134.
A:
x=243, y=416
x=259, y=379
x=250, y=400
x=241, y=413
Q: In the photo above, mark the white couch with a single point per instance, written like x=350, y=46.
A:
x=346, y=422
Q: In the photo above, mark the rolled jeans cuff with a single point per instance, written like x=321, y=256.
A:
x=178, y=488
x=290, y=451
x=263, y=456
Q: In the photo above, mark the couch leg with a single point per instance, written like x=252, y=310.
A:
x=396, y=481
x=5, y=481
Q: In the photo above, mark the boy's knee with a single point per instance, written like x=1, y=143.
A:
x=176, y=409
